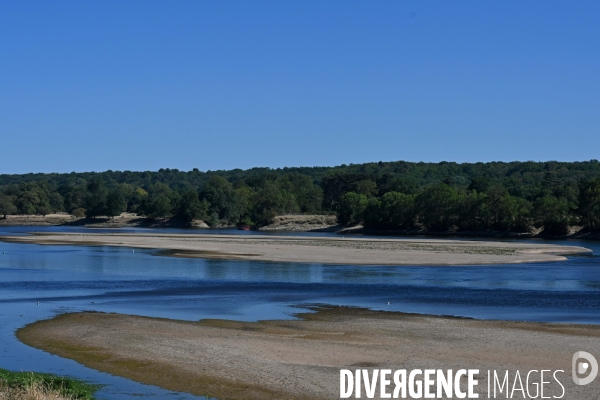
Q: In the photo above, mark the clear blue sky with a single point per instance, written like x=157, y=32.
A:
x=140, y=85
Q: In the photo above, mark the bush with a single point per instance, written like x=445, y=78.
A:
x=44, y=383
x=78, y=212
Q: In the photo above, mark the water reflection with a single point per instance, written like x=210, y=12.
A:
x=67, y=278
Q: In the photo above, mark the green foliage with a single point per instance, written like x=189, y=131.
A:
x=397, y=210
x=307, y=196
x=115, y=203
x=366, y=187
x=507, y=212
x=553, y=214
x=589, y=203
x=56, y=202
x=32, y=198
x=95, y=199
x=352, y=208
x=438, y=206
x=337, y=183
x=66, y=386
x=395, y=195
x=270, y=201
x=6, y=206
x=372, y=212
x=159, y=201
x=136, y=199
x=480, y=184
x=74, y=196
x=496, y=210
x=190, y=207
x=393, y=183
x=78, y=212
x=224, y=202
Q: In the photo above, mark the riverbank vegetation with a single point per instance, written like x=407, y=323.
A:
x=37, y=386
x=436, y=197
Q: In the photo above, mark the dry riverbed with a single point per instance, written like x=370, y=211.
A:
x=301, y=359
x=324, y=250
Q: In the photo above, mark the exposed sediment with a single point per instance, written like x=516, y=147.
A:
x=323, y=250
x=301, y=359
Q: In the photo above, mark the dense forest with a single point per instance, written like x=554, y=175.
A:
x=499, y=196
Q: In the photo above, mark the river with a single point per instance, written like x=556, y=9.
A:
x=110, y=279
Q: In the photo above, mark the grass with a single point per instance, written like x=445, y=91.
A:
x=34, y=386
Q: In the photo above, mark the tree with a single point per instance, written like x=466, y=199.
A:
x=522, y=220
x=438, y=207
x=553, y=214
x=589, y=203
x=372, y=214
x=475, y=196
x=95, y=199
x=56, y=202
x=223, y=199
x=474, y=211
x=74, y=197
x=366, y=187
x=160, y=206
x=136, y=200
x=6, y=206
x=270, y=201
x=78, y=212
x=480, y=184
x=32, y=198
x=308, y=197
x=43, y=210
x=511, y=213
x=158, y=203
x=397, y=210
x=351, y=208
x=336, y=183
x=391, y=183
x=115, y=203
x=190, y=207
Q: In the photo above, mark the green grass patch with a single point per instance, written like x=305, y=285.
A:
x=68, y=387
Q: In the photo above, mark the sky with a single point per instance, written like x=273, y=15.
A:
x=143, y=85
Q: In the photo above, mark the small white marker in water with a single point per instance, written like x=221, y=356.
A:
x=388, y=303
x=38, y=303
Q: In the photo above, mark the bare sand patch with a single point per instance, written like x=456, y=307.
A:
x=37, y=220
x=301, y=359
x=322, y=250
x=302, y=223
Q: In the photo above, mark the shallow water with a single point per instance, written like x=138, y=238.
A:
x=69, y=278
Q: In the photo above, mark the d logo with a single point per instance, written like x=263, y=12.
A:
x=582, y=361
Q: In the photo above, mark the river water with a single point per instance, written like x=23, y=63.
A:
x=73, y=278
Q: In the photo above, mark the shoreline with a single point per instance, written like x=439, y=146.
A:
x=281, y=223
x=300, y=359
x=321, y=250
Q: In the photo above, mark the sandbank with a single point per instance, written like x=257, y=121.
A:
x=301, y=359
x=322, y=250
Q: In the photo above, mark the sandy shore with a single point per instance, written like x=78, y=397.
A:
x=301, y=359
x=325, y=250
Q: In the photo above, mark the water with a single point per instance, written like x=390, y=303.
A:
x=69, y=278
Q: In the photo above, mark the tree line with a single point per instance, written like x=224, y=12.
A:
x=516, y=196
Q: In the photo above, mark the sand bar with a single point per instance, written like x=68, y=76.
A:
x=323, y=250
x=301, y=359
